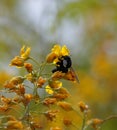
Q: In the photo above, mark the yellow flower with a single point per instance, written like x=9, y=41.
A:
x=28, y=67
x=9, y=85
x=20, y=90
x=60, y=50
x=65, y=106
x=64, y=51
x=4, y=108
x=51, y=57
x=51, y=114
x=67, y=122
x=27, y=98
x=55, y=84
x=57, y=52
x=83, y=107
x=41, y=81
x=61, y=94
x=49, y=101
x=17, y=80
x=14, y=125
x=57, y=75
x=5, y=100
x=49, y=89
x=17, y=61
x=25, y=52
x=95, y=122
x=30, y=77
x=56, y=49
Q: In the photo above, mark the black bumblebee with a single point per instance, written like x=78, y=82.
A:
x=63, y=65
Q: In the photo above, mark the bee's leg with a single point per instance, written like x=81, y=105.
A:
x=64, y=70
x=54, y=70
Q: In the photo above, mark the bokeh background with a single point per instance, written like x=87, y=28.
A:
x=87, y=27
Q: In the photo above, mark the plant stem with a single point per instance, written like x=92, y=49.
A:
x=42, y=66
x=26, y=112
x=34, y=61
x=28, y=105
x=83, y=122
x=75, y=126
x=109, y=118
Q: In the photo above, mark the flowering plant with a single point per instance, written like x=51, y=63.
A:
x=39, y=98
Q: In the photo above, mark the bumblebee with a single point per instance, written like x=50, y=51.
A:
x=64, y=64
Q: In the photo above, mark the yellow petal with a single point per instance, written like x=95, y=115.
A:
x=58, y=84
x=30, y=77
x=57, y=75
x=55, y=84
x=17, y=80
x=17, y=61
x=65, y=105
x=22, y=50
x=11, y=125
x=51, y=57
x=49, y=89
x=56, y=49
x=55, y=60
x=64, y=51
x=25, y=52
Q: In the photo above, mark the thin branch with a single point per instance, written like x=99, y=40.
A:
x=84, y=120
x=109, y=118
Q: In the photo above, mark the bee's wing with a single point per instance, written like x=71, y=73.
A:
x=77, y=79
